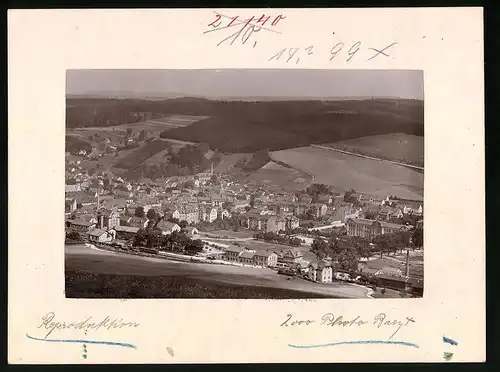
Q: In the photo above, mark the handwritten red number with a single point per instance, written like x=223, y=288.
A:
x=261, y=18
x=277, y=19
x=233, y=19
x=217, y=20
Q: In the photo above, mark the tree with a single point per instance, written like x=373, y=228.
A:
x=348, y=260
x=319, y=248
x=106, y=182
x=151, y=214
x=129, y=131
x=139, y=212
x=194, y=246
x=417, y=237
x=153, y=237
x=183, y=224
x=140, y=238
x=74, y=236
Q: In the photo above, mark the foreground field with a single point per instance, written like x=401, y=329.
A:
x=345, y=172
x=88, y=285
x=83, y=259
x=395, y=146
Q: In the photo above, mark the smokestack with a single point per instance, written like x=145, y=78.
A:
x=407, y=263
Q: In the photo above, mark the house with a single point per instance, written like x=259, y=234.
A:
x=412, y=208
x=140, y=222
x=320, y=272
x=88, y=217
x=292, y=222
x=255, y=220
x=107, y=219
x=224, y=213
x=265, y=258
x=125, y=220
x=241, y=204
x=233, y=253
x=375, y=200
x=319, y=209
x=191, y=231
x=275, y=224
x=102, y=236
x=188, y=213
x=246, y=257
x=167, y=227
x=361, y=227
x=80, y=226
x=120, y=205
x=292, y=256
x=369, y=228
x=75, y=187
x=82, y=197
x=125, y=232
x=209, y=214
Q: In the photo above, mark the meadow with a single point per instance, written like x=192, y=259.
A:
x=286, y=178
x=400, y=147
x=345, y=172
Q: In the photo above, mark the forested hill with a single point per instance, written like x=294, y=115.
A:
x=243, y=126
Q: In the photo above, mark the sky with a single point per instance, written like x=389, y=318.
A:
x=240, y=83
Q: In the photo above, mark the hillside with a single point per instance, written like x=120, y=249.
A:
x=345, y=172
x=242, y=126
x=398, y=147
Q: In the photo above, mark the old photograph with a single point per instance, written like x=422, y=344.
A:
x=244, y=184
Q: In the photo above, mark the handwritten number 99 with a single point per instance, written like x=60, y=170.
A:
x=336, y=50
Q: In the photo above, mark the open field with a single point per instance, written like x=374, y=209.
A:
x=80, y=258
x=395, y=146
x=345, y=172
x=288, y=179
x=152, y=125
x=229, y=160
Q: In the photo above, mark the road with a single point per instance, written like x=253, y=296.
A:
x=80, y=257
x=368, y=157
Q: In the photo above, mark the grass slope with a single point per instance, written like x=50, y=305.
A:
x=345, y=172
x=400, y=147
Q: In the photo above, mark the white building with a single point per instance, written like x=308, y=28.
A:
x=102, y=236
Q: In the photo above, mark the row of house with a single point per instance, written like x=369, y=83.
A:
x=255, y=220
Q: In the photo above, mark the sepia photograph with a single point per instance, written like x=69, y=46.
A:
x=244, y=184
